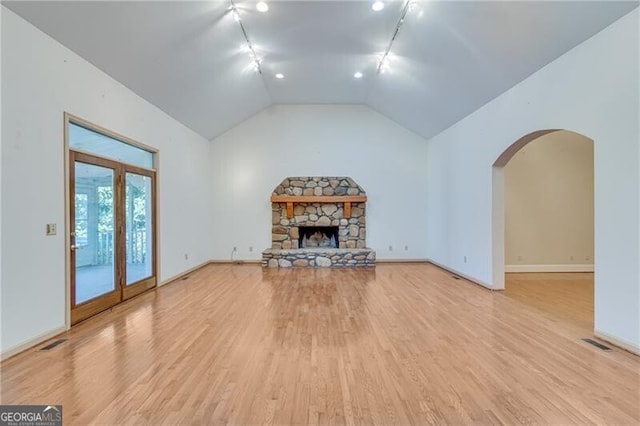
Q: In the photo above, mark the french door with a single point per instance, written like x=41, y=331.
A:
x=113, y=255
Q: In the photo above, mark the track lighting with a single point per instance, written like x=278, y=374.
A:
x=383, y=63
x=248, y=46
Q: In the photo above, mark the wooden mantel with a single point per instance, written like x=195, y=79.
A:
x=290, y=200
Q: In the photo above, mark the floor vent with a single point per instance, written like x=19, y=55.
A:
x=186, y=278
x=455, y=277
x=597, y=345
x=53, y=344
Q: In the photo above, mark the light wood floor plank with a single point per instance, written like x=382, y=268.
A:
x=403, y=344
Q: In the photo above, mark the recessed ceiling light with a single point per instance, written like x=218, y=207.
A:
x=377, y=6
x=358, y=74
x=262, y=6
x=279, y=76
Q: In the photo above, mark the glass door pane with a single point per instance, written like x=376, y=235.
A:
x=139, y=227
x=93, y=241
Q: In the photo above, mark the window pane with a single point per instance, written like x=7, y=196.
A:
x=96, y=143
x=82, y=219
x=94, y=240
x=138, y=216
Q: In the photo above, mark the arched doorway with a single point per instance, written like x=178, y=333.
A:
x=543, y=223
x=498, y=201
x=497, y=208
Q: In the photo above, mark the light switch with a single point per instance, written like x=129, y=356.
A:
x=51, y=229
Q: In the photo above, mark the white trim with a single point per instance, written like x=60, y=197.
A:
x=497, y=228
x=32, y=342
x=465, y=276
x=402, y=261
x=64, y=328
x=184, y=273
x=549, y=268
x=627, y=346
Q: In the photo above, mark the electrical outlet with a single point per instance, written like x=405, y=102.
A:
x=465, y=259
x=186, y=256
x=390, y=248
x=406, y=248
x=587, y=258
x=235, y=248
x=51, y=229
x=519, y=258
x=571, y=258
x=250, y=249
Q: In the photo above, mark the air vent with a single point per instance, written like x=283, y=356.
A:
x=597, y=345
x=53, y=344
x=455, y=277
x=185, y=278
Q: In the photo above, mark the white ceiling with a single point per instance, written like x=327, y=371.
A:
x=450, y=57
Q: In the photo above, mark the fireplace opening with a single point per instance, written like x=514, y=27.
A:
x=318, y=236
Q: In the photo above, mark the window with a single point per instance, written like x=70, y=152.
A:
x=82, y=219
x=86, y=140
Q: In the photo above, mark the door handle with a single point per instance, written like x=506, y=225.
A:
x=73, y=247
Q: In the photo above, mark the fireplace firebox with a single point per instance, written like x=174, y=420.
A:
x=318, y=236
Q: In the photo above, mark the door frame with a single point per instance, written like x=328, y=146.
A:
x=138, y=287
x=69, y=118
x=113, y=297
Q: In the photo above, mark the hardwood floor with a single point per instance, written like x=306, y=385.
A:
x=404, y=344
x=563, y=296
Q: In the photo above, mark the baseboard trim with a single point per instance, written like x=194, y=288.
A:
x=402, y=260
x=32, y=343
x=465, y=276
x=184, y=274
x=622, y=344
x=548, y=268
x=237, y=262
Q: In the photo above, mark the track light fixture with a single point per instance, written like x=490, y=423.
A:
x=383, y=62
x=249, y=47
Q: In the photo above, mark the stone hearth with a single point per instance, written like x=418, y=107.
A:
x=319, y=202
x=318, y=257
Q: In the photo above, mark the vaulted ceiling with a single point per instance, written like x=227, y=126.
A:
x=448, y=59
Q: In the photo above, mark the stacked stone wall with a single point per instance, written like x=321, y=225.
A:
x=352, y=231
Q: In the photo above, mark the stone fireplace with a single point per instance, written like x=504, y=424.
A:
x=318, y=222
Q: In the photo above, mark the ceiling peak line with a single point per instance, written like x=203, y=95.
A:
x=383, y=59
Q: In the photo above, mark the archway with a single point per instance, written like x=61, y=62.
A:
x=498, y=202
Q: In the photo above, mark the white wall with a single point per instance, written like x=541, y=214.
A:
x=548, y=189
x=41, y=80
x=592, y=90
x=385, y=159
